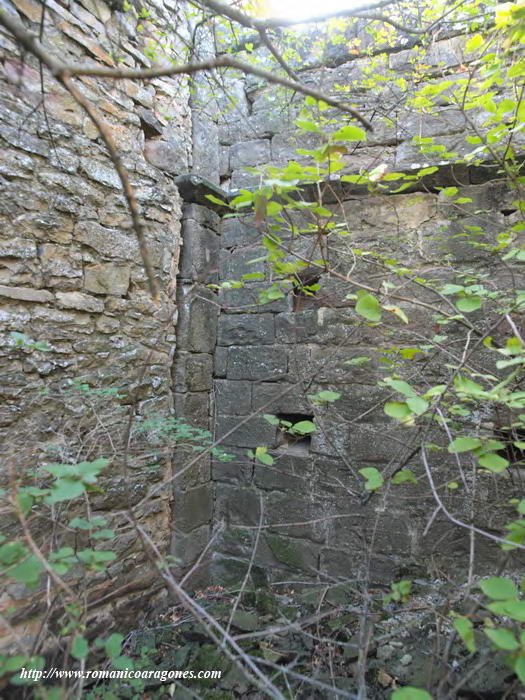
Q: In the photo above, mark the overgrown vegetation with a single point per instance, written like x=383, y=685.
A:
x=321, y=643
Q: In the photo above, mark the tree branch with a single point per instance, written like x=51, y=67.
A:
x=29, y=42
x=61, y=71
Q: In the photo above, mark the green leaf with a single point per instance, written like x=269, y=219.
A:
x=401, y=386
x=325, y=396
x=397, y=409
x=79, y=648
x=515, y=609
x=368, y=306
x=410, y=693
x=498, y=588
x=467, y=386
x=469, y=303
x=10, y=552
x=304, y=427
x=27, y=571
x=404, y=475
x=503, y=639
x=463, y=444
x=272, y=420
x=397, y=311
x=113, y=645
x=465, y=629
x=474, y=43
x=261, y=453
x=449, y=191
x=373, y=477
x=349, y=133
x=417, y=405
x=216, y=200
x=65, y=490
x=519, y=667
x=494, y=462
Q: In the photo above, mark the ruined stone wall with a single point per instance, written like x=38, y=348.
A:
x=71, y=275
x=317, y=521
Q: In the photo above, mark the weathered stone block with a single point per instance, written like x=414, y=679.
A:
x=236, y=263
x=246, y=329
x=237, y=505
x=278, y=478
x=26, y=294
x=247, y=299
x=199, y=254
x=193, y=508
x=288, y=515
x=232, y=397
x=202, y=215
x=294, y=554
x=23, y=248
x=249, y=153
x=220, y=362
x=254, y=362
x=197, y=320
x=188, y=547
x=255, y=432
x=193, y=371
x=79, y=301
x=108, y=242
x=278, y=397
x=237, y=471
x=107, y=278
x=103, y=174
x=169, y=156
x=239, y=231
x=193, y=407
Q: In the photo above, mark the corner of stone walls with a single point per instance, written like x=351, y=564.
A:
x=192, y=382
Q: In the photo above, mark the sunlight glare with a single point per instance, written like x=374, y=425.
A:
x=303, y=9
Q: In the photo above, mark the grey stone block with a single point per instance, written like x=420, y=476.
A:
x=277, y=478
x=245, y=180
x=202, y=215
x=239, y=231
x=247, y=299
x=249, y=153
x=331, y=364
x=188, y=547
x=237, y=471
x=193, y=408
x=220, y=362
x=233, y=398
x=236, y=263
x=246, y=329
x=254, y=362
x=199, y=254
x=193, y=508
x=198, y=316
x=237, y=505
x=280, y=397
x=290, y=516
x=193, y=371
x=256, y=432
x=294, y=554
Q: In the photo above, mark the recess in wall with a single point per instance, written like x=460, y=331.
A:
x=293, y=443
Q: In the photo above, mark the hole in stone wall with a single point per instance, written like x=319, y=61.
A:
x=289, y=442
x=306, y=288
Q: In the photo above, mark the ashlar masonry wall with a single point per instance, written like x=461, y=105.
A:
x=307, y=516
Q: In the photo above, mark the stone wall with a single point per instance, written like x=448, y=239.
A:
x=71, y=276
x=318, y=522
